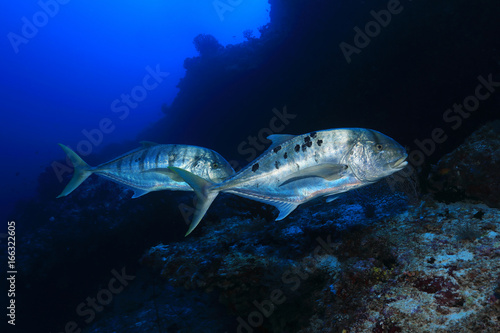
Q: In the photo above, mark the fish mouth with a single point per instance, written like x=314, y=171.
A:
x=400, y=163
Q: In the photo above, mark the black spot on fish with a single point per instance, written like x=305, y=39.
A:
x=313, y=134
x=297, y=148
x=255, y=167
x=285, y=156
x=304, y=147
x=277, y=164
x=277, y=149
x=319, y=142
x=309, y=143
x=307, y=139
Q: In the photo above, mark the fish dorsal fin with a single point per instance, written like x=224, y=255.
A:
x=166, y=171
x=285, y=209
x=146, y=144
x=278, y=139
x=325, y=170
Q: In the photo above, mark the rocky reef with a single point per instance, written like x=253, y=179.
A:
x=355, y=265
x=472, y=170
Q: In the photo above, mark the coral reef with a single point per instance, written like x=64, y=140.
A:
x=431, y=281
x=332, y=268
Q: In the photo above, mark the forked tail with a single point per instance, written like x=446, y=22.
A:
x=203, y=189
x=81, y=171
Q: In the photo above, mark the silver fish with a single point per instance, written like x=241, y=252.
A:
x=296, y=169
x=145, y=169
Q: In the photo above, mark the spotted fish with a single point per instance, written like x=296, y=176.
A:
x=296, y=169
x=145, y=169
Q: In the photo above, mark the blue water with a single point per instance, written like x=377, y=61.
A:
x=62, y=71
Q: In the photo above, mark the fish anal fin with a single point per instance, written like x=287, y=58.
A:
x=285, y=209
x=325, y=170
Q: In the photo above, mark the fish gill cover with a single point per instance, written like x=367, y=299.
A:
x=416, y=251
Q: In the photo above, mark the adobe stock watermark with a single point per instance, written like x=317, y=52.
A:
x=292, y=280
x=455, y=117
x=223, y=6
x=121, y=107
x=87, y=309
x=373, y=28
x=251, y=148
x=31, y=26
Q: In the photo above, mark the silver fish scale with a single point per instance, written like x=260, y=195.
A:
x=147, y=168
x=262, y=178
x=296, y=169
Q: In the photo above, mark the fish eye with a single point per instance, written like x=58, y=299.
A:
x=379, y=147
x=215, y=166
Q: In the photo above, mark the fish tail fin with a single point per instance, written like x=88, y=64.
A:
x=204, y=191
x=81, y=171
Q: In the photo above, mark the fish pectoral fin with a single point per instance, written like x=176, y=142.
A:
x=146, y=144
x=285, y=209
x=326, y=171
x=278, y=139
x=138, y=193
x=166, y=171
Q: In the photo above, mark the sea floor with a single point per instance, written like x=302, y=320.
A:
x=431, y=267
